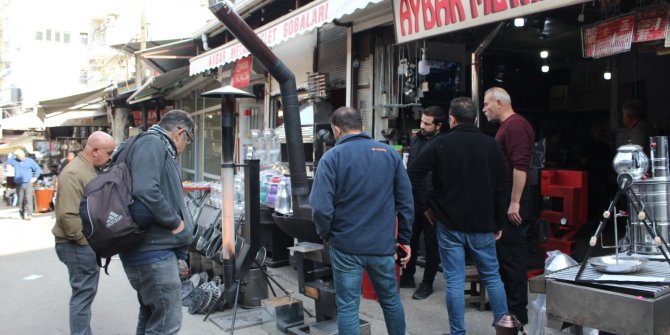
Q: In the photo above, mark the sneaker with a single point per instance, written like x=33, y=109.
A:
x=29, y=217
x=406, y=282
x=423, y=292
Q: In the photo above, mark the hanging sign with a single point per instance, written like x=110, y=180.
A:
x=650, y=25
x=418, y=19
x=242, y=73
x=588, y=41
x=614, y=36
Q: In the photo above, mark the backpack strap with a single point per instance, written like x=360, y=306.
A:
x=121, y=156
x=106, y=266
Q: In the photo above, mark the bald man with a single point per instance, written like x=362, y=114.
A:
x=26, y=172
x=71, y=245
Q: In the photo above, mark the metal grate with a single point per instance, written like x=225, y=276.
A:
x=653, y=269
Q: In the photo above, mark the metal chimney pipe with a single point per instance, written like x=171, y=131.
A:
x=241, y=30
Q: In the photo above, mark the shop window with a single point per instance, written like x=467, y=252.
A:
x=66, y=37
x=39, y=35
x=189, y=155
x=212, y=143
x=48, y=35
x=57, y=36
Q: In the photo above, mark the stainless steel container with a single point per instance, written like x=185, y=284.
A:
x=654, y=193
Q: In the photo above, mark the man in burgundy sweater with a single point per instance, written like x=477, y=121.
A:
x=516, y=137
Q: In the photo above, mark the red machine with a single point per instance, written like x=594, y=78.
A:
x=572, y=187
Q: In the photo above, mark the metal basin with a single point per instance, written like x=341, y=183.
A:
x=621, y=264
x=301, y=228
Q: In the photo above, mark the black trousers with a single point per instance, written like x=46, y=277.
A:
x=430, y=243
x=512, y=251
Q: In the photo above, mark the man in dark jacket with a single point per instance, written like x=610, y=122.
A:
x=152, y=267
x=470, y=205
x=359, y=187
x=432, y=121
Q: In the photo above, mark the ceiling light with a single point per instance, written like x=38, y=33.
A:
x=424, y=65
x=544, y=54
x=519, y=22
x=580, y=17
x=607, y=75
x=545, y=68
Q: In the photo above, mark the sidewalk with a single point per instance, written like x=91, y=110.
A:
x=35, y=293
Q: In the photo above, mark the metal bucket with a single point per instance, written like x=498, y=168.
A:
x=654, y=194
x=256, y=288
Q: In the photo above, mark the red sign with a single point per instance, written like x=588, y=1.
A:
x=242, y=73
x=651, y=24
x=588, y=41
x=613, y=37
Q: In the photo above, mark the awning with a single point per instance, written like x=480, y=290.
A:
x=23, y=121
x=85, y=98
x=157, y=86
x=76, y=118
x=24, y=142
x=430, y=19
x=298, y=22
x=164, y=55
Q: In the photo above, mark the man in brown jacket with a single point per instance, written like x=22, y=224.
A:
x=71, y=245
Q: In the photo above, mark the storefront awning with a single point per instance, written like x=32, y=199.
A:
x=24, y=142
x=76, y=118
x=23, y=121
x=429, y=18
x=300, y=21
x=59, y=104
x=157, y=86
x=164, y=55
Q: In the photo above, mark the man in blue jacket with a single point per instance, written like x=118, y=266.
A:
x=26, y=172
x=359, y=188
x=152, y=267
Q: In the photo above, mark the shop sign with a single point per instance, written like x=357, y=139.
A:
x=242, y=74
x=650, y=25
x=608, y=38
x=419, y=19
x=304, y=19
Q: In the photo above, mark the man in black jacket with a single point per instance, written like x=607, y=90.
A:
x=432, y=121
x=471, y=198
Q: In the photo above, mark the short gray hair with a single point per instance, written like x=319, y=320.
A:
x=176, y=119
x=499, y=93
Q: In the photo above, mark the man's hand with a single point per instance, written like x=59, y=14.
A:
x=33, y=180
x=513, y=213
x=430, y=216
x=408, y=249
x=179, y=228
x=498, y=234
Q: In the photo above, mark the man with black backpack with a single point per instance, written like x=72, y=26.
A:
x=71, y=245
x=152, y=266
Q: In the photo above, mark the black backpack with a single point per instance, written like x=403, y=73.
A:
x=106, y=220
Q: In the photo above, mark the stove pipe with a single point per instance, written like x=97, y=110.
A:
x=241, y=30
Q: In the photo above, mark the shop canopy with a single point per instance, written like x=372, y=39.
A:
x=76, y=118
x=72, y=101
x=24, y=121
x=299, y=21
x=157, y=86
x=25, y=142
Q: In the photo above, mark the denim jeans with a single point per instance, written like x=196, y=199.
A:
x=159, y=293
x=82, y=266
x=348, y=276
x=26, y=194
x=482, y=248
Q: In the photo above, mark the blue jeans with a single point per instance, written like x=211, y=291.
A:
x=482, y=248
x=82, y=266
x=348, y=277
x=159, y=293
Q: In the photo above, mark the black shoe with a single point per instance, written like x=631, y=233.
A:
x=423, y=292
x=407, y=282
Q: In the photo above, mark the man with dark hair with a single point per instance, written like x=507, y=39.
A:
x=71, y=245
x=359, y=188
x=635, y=120
x=470, y=203
x=517, y=138
x=26, y=172
x=152, y=267
x=432, y=121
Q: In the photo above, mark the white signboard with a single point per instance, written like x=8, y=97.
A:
x=418, y=19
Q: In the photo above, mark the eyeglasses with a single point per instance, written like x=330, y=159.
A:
x=190, y=138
